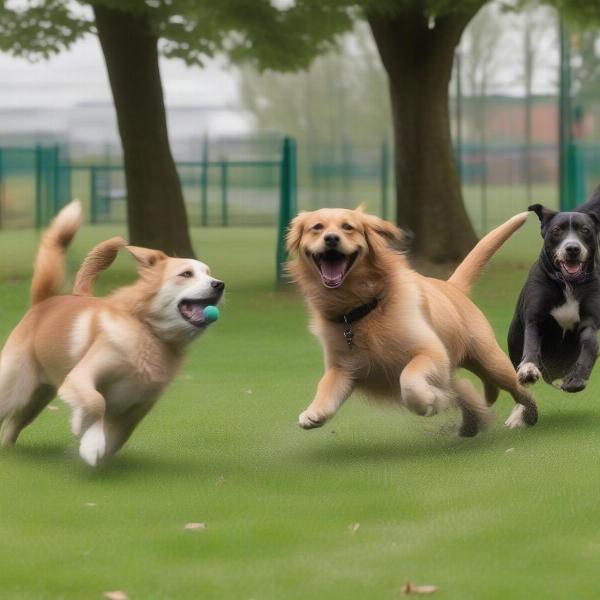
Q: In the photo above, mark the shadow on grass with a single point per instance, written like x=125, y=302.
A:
x=130, y=465
x=133, y=465
x=38, y=453
x=443, y=443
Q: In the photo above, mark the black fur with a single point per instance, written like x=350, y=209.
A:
x=535, y=336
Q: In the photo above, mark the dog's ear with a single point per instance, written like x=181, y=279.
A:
x=594, y=218
x=545, y=215
x=295, y=232
x=145, y=257
x=393, y=235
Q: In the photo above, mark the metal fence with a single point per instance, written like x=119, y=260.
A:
x=36, y=182
x=499, y=179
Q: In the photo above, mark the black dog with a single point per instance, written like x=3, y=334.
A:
x=553, y=332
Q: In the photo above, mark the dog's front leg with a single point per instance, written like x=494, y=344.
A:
x=89, y=405
x=88, y=415
x=577, y=378
x=334, y=388
x=529, y=368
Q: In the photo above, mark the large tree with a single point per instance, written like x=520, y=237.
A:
x=132, y=33
x=416, y=40
x=417, y=44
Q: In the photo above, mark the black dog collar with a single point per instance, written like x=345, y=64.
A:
x=354, y=315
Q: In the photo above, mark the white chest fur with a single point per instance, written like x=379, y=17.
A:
x=567, y=314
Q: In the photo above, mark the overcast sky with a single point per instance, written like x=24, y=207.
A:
x=79, y=75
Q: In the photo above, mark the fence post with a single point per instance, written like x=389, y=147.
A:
x=204, y=183
x=224, y=207
x=93, y=196
x=384, y=179
x=565, y=133
x=39, y=221
x=577, y=178
x=56, y=202
x=287, y=200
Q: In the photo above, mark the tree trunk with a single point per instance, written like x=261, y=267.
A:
x=418, y=60
x=155, y=209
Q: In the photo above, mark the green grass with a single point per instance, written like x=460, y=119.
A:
x=509, y=514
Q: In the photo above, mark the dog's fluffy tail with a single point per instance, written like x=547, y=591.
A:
x=471, y=267
x=99, y=259
x=49, y=267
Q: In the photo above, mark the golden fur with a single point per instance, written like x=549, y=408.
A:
x=109, y=358
x=422, y=330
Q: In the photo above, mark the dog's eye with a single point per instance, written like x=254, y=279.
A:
x=186, y=274
x=317, y=227
x=585, y=230
x=556, y=231
x=347, y=227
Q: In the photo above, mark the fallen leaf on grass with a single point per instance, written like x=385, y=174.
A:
x=354, y=528
x=412, y=588
x=195, y=526
x=52, y=407
x=221, y=480
x=509, y=450
x=116, y=595
x=90, y=504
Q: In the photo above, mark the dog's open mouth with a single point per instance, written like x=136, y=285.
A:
x=333, y=266
x=193, y=311
x=571, y=268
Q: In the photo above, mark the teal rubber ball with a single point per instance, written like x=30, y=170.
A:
x=211, y=314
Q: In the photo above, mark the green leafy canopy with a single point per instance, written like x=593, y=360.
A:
x=192, y=30
x=257, y=31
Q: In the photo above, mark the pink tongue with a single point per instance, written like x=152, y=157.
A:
x=572, y=269
x=193, y=312
x=333, y=271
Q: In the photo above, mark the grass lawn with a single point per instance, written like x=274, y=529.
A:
x=509, y=514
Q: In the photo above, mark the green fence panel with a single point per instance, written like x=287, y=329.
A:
x=288, y=201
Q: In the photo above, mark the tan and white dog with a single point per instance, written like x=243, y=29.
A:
x=109, y=358
x=392, y=332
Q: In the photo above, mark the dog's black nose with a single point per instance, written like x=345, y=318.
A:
x=573, y=250
x=218, y=284
x=332, y=239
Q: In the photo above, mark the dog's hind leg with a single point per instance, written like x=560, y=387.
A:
x=497, y=371
x=18, y=382
x=491, y=392
x=425, y=384
x=19, y=419
x=476, y=414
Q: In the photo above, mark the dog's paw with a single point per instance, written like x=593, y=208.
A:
x=516, y=418
x=573, y=384
x=310, y=420
x=93, y=444
x=528, y=373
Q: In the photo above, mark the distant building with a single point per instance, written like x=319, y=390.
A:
x=91, y=128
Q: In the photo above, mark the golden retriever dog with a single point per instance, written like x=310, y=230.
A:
x=109, y=358
x=392, y=332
